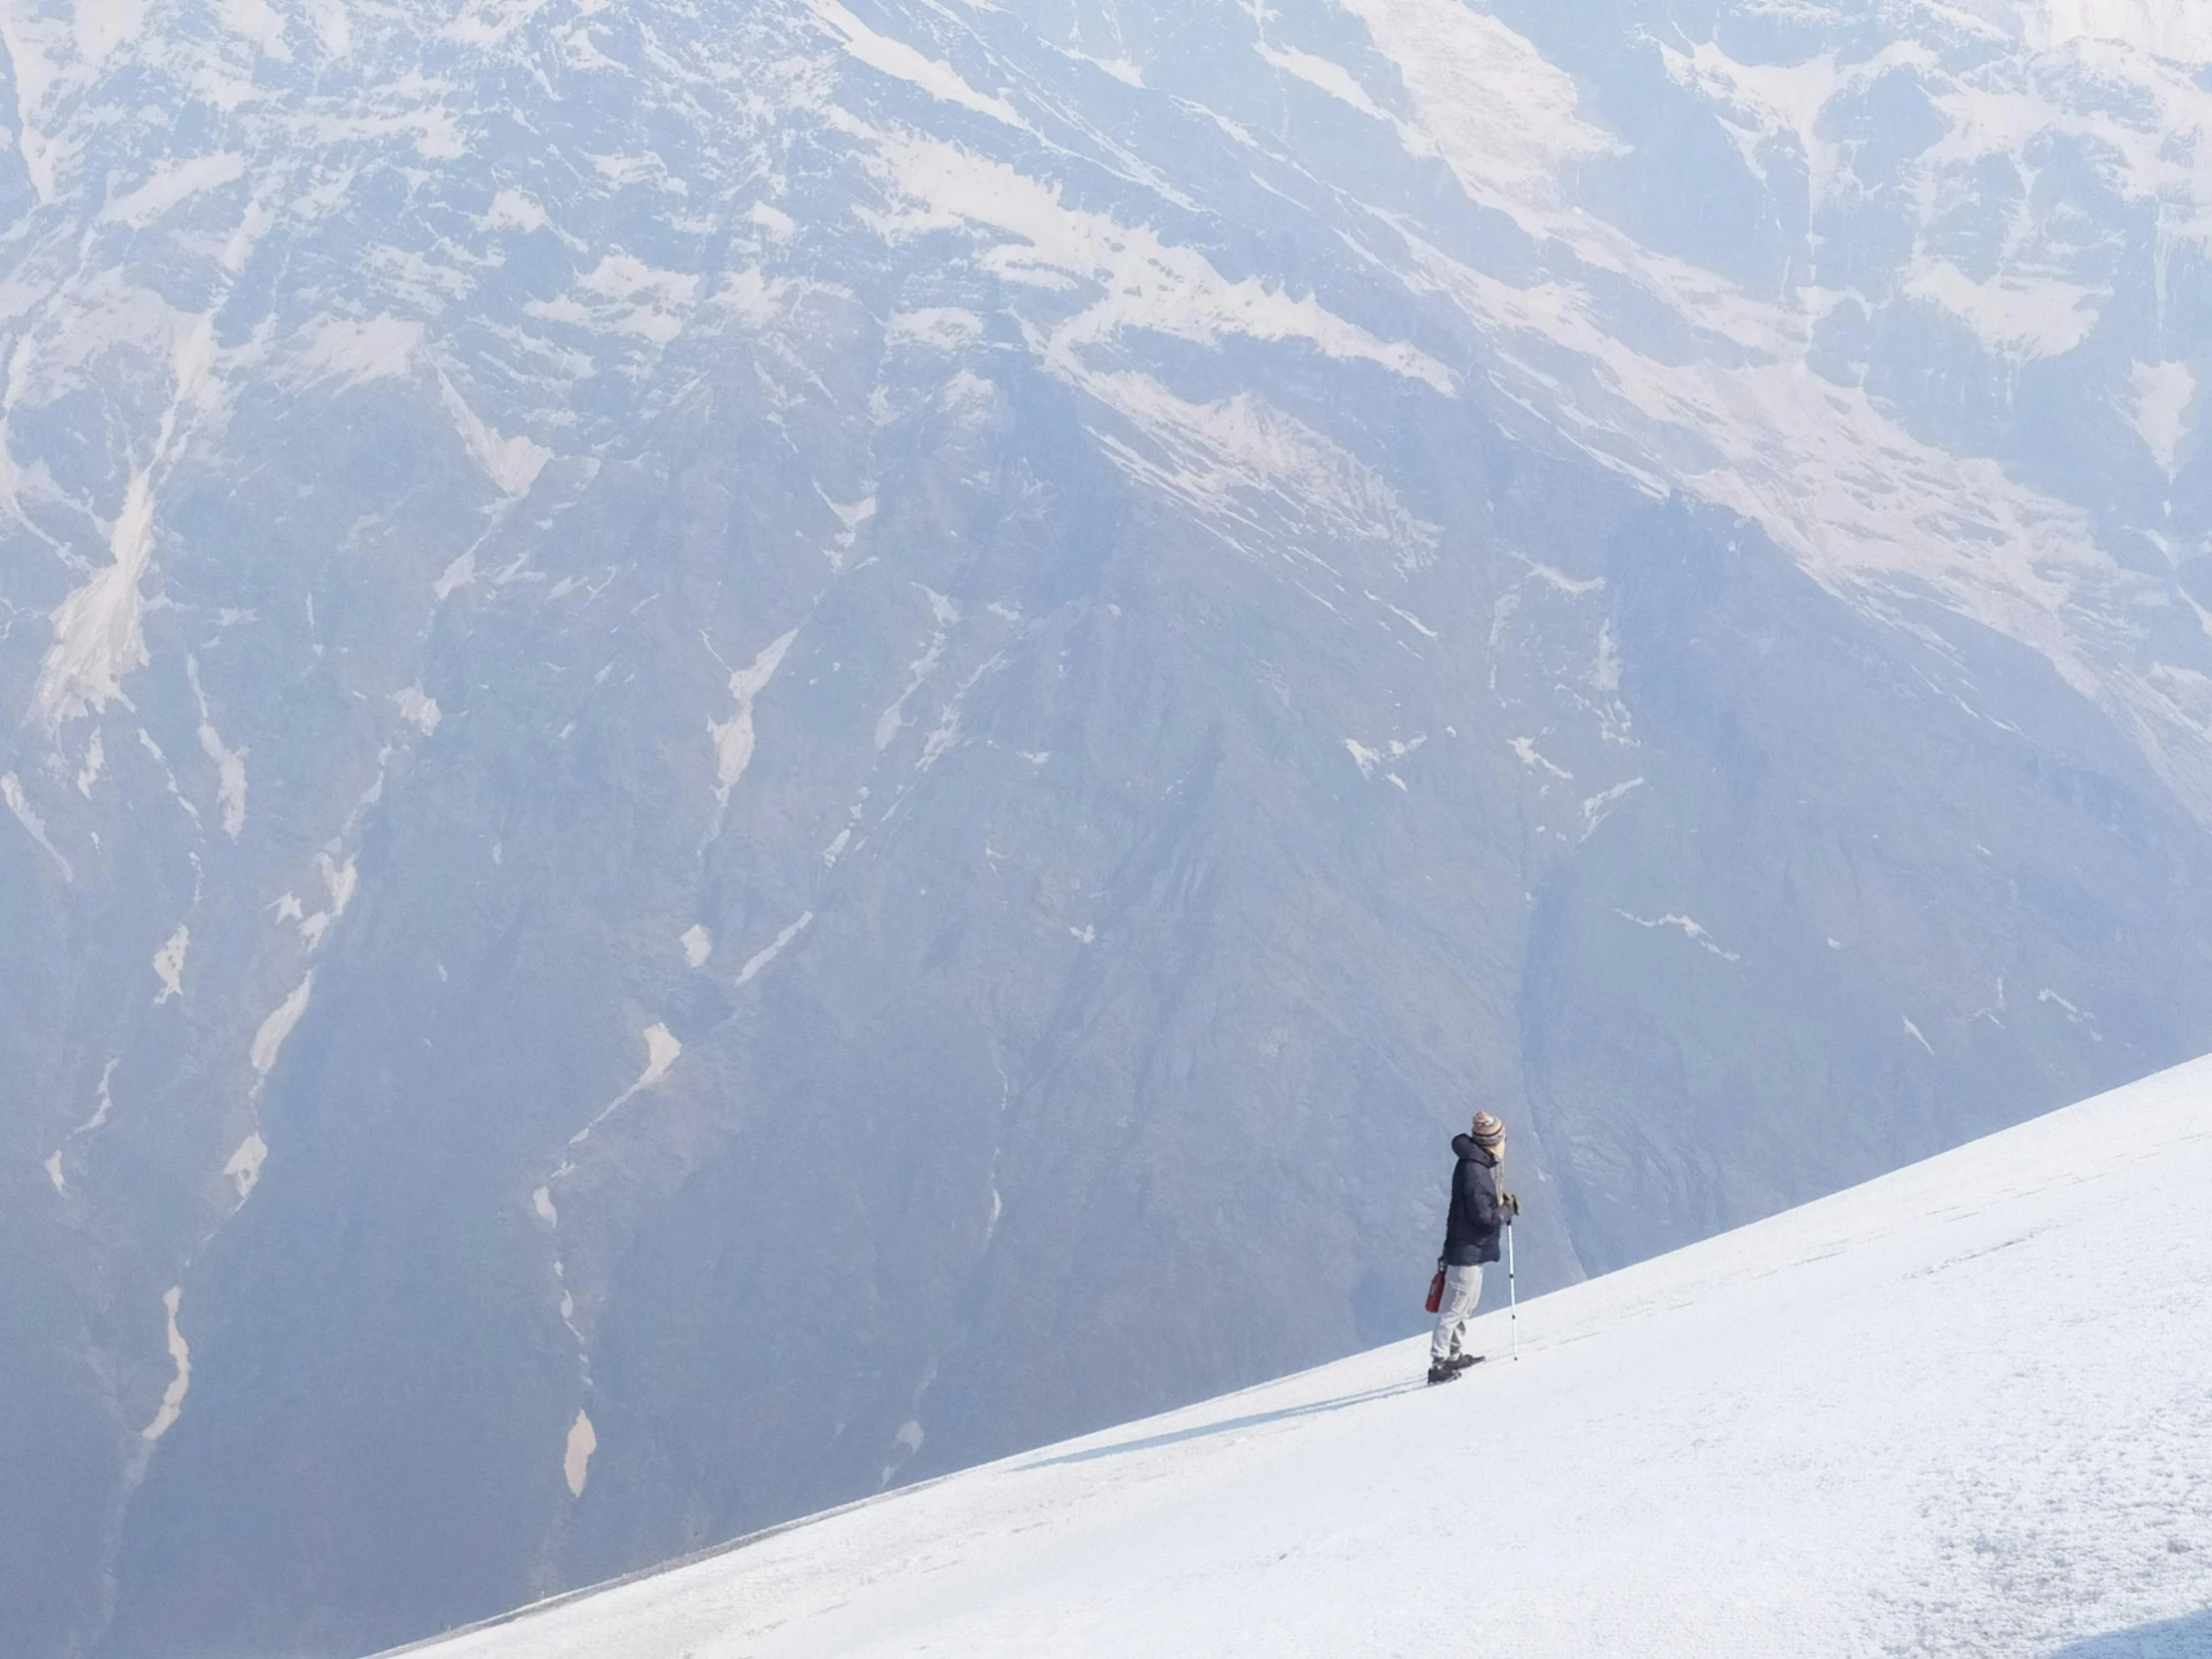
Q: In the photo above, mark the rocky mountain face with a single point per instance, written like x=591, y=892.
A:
x=751, y=750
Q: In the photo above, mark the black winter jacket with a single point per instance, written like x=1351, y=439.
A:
x=1472, y=1231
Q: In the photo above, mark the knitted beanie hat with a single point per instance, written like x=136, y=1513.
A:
x=1489, y=1134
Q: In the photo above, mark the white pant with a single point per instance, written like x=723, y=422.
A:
x=1462, y=1289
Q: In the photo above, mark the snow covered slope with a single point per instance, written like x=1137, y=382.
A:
x=726, y=732
x=1966, y=1408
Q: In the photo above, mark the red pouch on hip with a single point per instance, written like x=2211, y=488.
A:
x=1435, y=1291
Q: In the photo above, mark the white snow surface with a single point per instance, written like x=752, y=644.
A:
x=2163, y=394
x=1689, y=929
x=418, y=709
x=180, y=1383
x=902, y=62
x=169, y=963
x=1960, y=1410
x=229, y=763
x=18, y=803
x=244, y=1167
x=773, y=949
x=733, y=738
x=662, y=1049
x=576, y=1455
x=2179, y=29
x=270, y=1039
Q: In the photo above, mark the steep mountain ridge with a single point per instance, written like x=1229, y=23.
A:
x=730, y=738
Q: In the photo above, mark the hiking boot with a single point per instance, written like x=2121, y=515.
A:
x=1460, y=1361
x=1443, y=1370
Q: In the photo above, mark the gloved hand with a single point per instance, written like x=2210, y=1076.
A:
x=1508, y=1202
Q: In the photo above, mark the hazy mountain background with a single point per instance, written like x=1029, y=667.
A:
x=749, y=751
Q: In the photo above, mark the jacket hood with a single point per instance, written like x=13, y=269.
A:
x=1466, y=1146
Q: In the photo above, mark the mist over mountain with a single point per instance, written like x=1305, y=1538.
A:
x=753, y=750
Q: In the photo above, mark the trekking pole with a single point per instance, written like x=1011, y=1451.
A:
x=1513, y=1292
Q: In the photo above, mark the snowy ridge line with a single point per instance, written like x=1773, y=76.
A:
x=708, y=1553
x=2072, y=1147
x=726, y=1548
x=2066, y=1146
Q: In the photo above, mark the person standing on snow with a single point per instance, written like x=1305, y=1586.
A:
x=1479, y=1212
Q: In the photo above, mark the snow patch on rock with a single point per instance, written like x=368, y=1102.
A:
x=1687, y=927
x=96, y=761
x=244, y=1167
x=902, y=63
x=514, y=210
x=2163, y=394
x=662, y=1050
x=2019, y=318
x=773, y=949
x=733, y=738
x=622, y=295
x=1505, y=120
x=19, y=804
x=1526, y=749
x=229, y=763
x=2178, y=29
x=169, y=964
x=98, y=634
x=270, y=1039
x=171, y=184
x=417, y=709
x=511, y=463
x=357, y=352
x=179, y=1353
x=339, y=882
x=935, y=328
x=576, y=1455
x=1140, y=280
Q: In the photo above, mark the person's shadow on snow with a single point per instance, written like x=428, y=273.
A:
x=1231, y=1425
x=2188, y=1637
